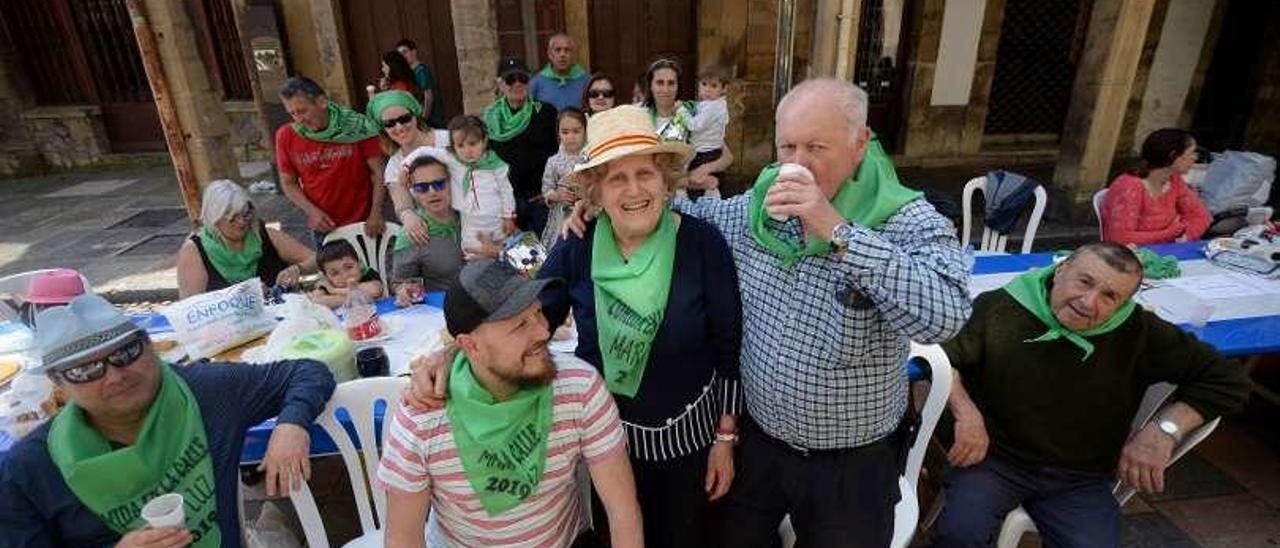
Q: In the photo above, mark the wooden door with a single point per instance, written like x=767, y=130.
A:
x=374, y=26
x=627, y=36
x=128, y=110
x=883, y=43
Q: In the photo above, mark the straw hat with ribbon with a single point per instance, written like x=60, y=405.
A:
x=625, y=130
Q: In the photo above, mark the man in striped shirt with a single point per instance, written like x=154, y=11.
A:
x=497, y=462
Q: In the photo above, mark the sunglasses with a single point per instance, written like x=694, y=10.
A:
x=244, y=216
x=407, y=118
x=422, y=187
x=600, y=93
x=122, y=357
x=516, y=77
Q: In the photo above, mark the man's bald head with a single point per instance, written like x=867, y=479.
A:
x=831, y=147
x=849, y=99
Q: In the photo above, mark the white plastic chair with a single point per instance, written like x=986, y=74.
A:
x=358, y=398
x=1018, y=523
x=1098, y=198
x=992, y=241
x=372, y=254
x=907, y=510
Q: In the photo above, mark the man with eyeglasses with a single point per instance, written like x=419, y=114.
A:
x=522, y=131
x=330, y=161
x=137, y=428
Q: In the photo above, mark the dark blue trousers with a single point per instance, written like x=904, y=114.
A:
x=1069, y=508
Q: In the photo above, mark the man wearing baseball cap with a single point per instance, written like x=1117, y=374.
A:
x=522, y=131
x=518, y=420
x=137, y=427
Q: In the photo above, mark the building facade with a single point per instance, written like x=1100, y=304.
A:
x=987, y=83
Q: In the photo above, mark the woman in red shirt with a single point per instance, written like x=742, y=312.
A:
x=1153, y=204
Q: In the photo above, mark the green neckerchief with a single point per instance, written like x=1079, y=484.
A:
x=868, y=199
x=489, y=160
x=631, y=299
x=1157, y=266
x=504, y=125
x=1032, y=292
x=575, y=71
x=345, y=126
x=437, y=229
x=234, y=266
x=502, y=444
x=392, y=98
x=171, y=455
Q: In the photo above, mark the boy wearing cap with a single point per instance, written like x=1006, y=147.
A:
x=496, y=464
x=137, y=428
x=522, y=131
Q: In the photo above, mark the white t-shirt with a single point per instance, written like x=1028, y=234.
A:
x=392, y=172
x=707, y=127
x=420, y=453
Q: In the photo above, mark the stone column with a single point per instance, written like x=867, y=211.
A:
x=475, y=31
x=1099, y=98
x=577, y=24
x=201, y=114
x=315, y=45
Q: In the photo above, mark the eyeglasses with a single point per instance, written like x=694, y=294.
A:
x=600, y=93
x=514, y=77
x=407, y=118
x=244, y=216
x=122, y=357
x=422, y=187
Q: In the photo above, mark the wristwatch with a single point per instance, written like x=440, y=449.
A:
x=1171, y=429
x=841, y=235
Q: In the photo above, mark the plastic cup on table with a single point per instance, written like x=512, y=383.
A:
x=1201, y=311
x=415, y=286
x=373, y=362
x=165, y=511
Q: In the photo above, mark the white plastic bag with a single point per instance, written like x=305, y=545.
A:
x=301, y=316
x=209, y=323
x=1237, y=179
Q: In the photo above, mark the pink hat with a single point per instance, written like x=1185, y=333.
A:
x=56, y=286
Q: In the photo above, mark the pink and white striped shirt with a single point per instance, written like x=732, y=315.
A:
x=420, y=454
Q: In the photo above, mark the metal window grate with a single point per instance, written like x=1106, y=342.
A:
x=1040, y=46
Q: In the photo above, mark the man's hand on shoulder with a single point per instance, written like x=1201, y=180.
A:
x=1144, y=458
x=429, y=386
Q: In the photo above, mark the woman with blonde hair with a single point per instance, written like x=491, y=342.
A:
x=232, y=245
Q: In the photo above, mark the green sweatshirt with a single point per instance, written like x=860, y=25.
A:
x=1042, y=405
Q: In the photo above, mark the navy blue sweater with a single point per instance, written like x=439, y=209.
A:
x=38, y=509
x=701, y=332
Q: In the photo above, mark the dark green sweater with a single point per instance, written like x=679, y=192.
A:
x=1042, y=405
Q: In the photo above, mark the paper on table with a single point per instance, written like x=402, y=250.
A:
x=1214, y=287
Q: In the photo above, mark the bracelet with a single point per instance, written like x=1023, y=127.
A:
x=726, y=437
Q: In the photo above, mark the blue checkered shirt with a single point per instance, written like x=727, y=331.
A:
x=824, y=341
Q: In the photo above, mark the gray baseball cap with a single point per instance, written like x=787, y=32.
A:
x=489, y=291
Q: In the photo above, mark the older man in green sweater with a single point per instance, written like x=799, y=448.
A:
x=1051, y=370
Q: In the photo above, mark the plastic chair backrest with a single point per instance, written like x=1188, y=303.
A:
x=993, y=241
x=358, y=398
x=940, y=376
x=1098, y=198
x=373, y=254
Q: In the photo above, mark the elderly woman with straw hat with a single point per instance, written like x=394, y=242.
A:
x=404, y=129
x=655, y=299
x=232, y=245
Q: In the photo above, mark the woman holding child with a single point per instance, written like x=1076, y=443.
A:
x=232, y=246
x=701, y=123
x=655, y=299
x=404, y=130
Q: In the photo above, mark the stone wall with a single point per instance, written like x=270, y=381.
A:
x=947, y=133
x=475, y=30
x=68, y=136
x=314, y=33
x=246, y=137
x=18, y=153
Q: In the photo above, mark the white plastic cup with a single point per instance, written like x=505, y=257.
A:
x=165, y=511
x=1200, y=314
x=796, y=171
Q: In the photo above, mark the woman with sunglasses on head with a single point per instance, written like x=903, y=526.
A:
x=598, y=95
x=678, y=120
x=438, y=261
x=404, y=130
x=232, y=246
